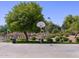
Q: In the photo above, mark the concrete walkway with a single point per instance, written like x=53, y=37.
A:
x=9, y=50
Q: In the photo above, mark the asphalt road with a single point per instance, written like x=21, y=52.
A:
x=9, y=50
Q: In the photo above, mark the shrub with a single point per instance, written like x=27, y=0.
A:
x=77, y=39
x=51, y=36
x=8, y=40
x=61, y=39
x=49, y=40
x=33, y=38
x=66, y=35
x=65, y=38
x=70, y=41
x=20, y=41
x=57, y=38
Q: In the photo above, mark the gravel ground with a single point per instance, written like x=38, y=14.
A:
x=9, y=50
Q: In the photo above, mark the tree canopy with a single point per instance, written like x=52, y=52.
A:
x=24, y=16
x=71, y=24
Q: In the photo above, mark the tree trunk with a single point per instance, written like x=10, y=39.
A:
x=76, y=34
x=25, y=33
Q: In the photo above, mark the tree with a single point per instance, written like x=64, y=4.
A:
x=68, y=21
x=3, y=28
x=51, y=27
x=71, y=24
x=75, y=27
x=24, y=16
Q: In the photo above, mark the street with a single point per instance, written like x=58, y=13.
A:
x=9, y=50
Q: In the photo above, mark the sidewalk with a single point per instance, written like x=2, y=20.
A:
x=39, y=50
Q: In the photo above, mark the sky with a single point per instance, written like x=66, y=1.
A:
x=56, y=10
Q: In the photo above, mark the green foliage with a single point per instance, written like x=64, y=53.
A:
x=50, y=36
x=33, y=38
x=68, y=21
x=71, y=24
x=61, y=39
x=57, y=39
x=3, y=28
x=70, y=41
x=65, y=39
x=51, y=27
x=24, y=16
x=49, y=40
x=55, y=30
x=76, y=26
x=77, y=39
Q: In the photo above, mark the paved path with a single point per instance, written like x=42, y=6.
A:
x=39, y=50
